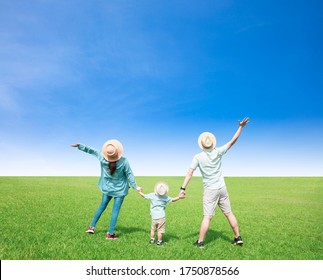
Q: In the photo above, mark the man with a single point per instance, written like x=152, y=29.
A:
x=215, y=192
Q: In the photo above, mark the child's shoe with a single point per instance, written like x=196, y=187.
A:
x=160, y=243
x=90, y=230
x=152, y=241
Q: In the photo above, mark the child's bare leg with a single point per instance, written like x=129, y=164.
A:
x=152, y=234
x=160, y=236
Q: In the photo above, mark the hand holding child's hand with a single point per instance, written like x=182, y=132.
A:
x=182, y=195
x=139, y=189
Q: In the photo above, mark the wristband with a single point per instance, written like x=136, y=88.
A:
x=183, y=189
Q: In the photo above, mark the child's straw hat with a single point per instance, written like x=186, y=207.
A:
x=161, y=188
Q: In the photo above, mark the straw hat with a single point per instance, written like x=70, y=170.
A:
x=161, y=188
x=112, y=150
x=207, y=141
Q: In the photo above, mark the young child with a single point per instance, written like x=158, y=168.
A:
x=158, y=202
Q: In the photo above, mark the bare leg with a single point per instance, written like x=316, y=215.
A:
x=204, y=227
x=152, y=234
x=233, y=223
x=160, y=236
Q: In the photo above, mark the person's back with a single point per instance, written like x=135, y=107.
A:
x=116, y=176
x=158, y=204
x=209, y=163
x=215, y=192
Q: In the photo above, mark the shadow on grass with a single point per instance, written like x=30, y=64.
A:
x=120, y=229
x=211, y=236
x=130, y=230
x=169, y=236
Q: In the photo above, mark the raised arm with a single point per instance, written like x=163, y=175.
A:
x=238, y=132
x=88, y=150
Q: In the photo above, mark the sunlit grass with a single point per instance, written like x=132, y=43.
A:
x=45, y=218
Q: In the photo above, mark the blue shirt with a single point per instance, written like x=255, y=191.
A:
x=115, y=185
x=157, y=205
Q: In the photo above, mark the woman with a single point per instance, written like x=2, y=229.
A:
x=116, y=175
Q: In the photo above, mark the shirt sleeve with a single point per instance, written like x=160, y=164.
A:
x=195, y=163
x=130, y=176
x=222, y=150
x=147, y=196
x=90, y=151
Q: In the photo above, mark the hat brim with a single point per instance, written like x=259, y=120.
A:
x=115, y=143
x=202, y=136
x=161, y=188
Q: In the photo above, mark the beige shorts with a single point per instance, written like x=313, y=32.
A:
x=212, y=198
x=159, y=225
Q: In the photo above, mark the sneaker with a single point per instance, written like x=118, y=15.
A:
x=111, y=236
x=90, y=230
x=152, y=241
x=199, y=244
x=160, y=243
x=237, y=241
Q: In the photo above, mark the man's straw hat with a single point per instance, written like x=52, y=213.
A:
x=207, y=141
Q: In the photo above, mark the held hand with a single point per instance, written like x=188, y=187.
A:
x=75, y=145
x=139, y=189
x=243, y=122
x=182, y=195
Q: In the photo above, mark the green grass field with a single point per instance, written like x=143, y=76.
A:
x=45, y=218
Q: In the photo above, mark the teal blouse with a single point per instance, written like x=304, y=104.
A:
x=115, y=185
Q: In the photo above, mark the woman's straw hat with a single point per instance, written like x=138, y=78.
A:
x=207, y=141
x=161, y=188
x=112, y=150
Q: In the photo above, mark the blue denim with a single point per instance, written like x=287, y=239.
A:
x=115, y=211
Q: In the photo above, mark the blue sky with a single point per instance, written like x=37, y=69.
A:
x=155, y=74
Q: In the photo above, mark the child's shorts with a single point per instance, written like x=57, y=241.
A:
x=158, y=225
x=212, y=198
